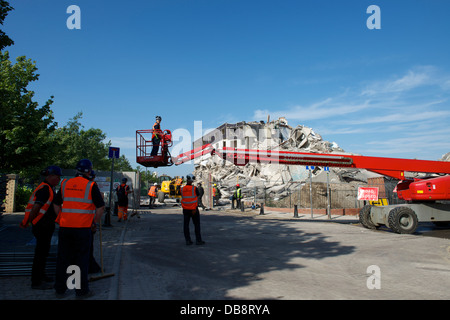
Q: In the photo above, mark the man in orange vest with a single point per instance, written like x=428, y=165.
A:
x=189, y=203
x=79, y=206
x=122, y=196
x=152, y=192
x=40, y=214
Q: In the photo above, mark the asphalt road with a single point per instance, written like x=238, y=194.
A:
x=248, y=256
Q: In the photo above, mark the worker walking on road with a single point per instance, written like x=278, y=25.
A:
x=40, y=214
x=189, y=203
x=79, y=207
x=156, y=136
x=152, y=193
x=122, y=192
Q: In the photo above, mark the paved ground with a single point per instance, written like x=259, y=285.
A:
x=252, y=256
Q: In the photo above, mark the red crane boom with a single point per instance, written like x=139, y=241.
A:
x=393, y=167
x=424, y=196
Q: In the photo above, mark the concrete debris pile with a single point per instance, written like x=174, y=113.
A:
x=273, y=180
x=446, y=157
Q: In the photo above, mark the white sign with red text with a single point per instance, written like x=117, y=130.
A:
x=368, y=193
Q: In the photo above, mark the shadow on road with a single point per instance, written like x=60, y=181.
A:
x=238, y=251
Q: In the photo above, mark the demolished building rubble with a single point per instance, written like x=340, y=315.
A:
x=270, y=180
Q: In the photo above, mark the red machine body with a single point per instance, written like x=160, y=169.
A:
x=431, y=189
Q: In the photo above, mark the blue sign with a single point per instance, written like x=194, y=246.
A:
x=326, y=168
x=310, y=167
x=114, y=152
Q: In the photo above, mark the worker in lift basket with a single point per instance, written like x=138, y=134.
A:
x=156, y=136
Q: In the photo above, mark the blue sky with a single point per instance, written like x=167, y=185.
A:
x=374, y=92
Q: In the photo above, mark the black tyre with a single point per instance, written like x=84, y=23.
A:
x=403, y=220
x=161, y=196
x=365, y=219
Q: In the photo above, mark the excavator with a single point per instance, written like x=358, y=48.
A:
x=427, y=199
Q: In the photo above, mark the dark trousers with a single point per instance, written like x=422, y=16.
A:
x=238, y=202
x=93, y=265
x=200, y=203
x=188, y=215
x=43, y=234
x=74, y=246
x=155, y=148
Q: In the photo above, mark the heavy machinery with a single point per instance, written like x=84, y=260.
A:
x=144, y=147
x=428, y=199
x=169, y=188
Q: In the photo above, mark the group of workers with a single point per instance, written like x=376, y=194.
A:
x=77, y=207
x=216, y=194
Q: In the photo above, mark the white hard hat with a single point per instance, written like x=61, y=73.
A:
x=155, y=184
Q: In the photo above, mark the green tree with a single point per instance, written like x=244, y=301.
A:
x=72, y=143
x=24, y=126
x=122, y=164
x=5, y=41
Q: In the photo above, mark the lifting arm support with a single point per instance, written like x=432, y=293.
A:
x=393, y=167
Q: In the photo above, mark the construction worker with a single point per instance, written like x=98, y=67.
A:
x=201, y=191
x=216, y=195
x=189, y=203
x=152, y=192
x=178, y=183
x=237, y=195
x=94, y=267
x=156, y=136
x=40, y=214
x=122, y=195
x=79, y=207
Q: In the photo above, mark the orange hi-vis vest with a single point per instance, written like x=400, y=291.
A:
x=152, y=191
x=78, y=209
x=156, y=131
x=31, y=202
x=189, y=197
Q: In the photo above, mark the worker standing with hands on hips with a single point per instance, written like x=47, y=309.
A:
x=40, y=214
x=189, y=203
x=156, y=136
x=237, y=195
x=79, y=207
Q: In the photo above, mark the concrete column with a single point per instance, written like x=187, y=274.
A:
x=11, y=187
